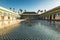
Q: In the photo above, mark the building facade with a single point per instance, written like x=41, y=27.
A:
x=6, y=14
x=29, y=15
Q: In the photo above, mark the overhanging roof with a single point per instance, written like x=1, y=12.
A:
x=29, y=13
x=4, y=9
x=52, y=11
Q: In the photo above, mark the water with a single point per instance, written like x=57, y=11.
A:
x=31, y=30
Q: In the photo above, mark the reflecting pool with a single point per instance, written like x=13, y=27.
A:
x=30, y=30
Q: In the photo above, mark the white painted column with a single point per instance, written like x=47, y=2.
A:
x=6, y=16
x=2, y=16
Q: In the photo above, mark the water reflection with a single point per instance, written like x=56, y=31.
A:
x=28, y=22
x=53, y=24
x=39, y=30
x=6, y=26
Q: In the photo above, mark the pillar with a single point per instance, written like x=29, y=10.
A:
x=50, y=17
x=2, y=17
x=54, y=17
x=5, y=17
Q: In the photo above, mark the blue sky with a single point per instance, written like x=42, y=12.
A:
x=30, y=5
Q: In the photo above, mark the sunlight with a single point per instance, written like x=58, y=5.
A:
x=6, y=26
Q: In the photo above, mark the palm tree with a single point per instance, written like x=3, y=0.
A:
x=20, y=10
x=41, y=11
x=13, y=9
x=38, y=11
x=10, y=8
x=45, y=10
x=25, y=10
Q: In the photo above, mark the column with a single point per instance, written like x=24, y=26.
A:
x=6, y=16
x=54, y=17
x=50, y=17
x=2, y=16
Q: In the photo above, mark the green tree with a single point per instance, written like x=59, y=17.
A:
x=45, y=10
x=10, y=8
x=38, y=11
x=20, y=11
x=24, y=10
x=13, y=9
